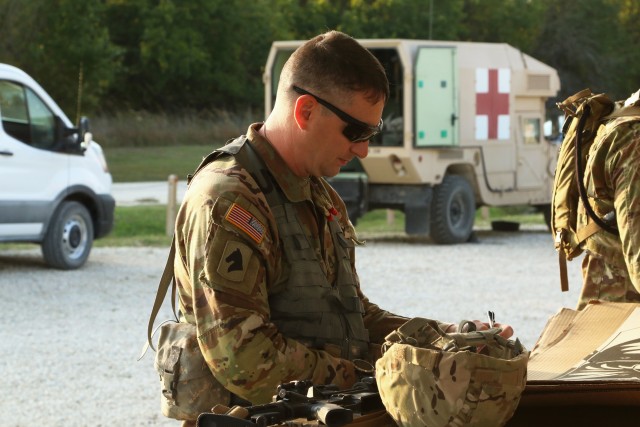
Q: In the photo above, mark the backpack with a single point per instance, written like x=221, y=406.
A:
x=585, y=113
x=187, y=385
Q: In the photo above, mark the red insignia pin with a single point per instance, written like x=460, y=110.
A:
x=333, y=212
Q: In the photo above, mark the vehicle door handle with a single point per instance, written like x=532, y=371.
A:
x=6, y=153
x=453, y=119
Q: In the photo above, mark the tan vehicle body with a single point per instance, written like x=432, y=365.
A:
x=463, y=129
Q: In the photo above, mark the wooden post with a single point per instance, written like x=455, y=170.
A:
x=391, y=217
x=172, y=204
x=484, y=211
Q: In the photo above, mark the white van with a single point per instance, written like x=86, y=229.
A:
x=55, y=187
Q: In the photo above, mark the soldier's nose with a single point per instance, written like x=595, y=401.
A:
x=360, y=149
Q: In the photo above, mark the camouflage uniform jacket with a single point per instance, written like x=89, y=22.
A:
x=611, y=266
x=228, y=300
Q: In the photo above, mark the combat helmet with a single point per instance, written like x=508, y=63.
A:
x=427, y=377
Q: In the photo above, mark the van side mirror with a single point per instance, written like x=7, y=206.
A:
x=67, y=138
x=83, y=127
x=84, y=133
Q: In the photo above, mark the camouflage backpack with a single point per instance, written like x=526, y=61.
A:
x=187, y=386
x=427, y=377
x=585, y=113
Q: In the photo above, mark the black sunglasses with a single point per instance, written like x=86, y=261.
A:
x=355, y=131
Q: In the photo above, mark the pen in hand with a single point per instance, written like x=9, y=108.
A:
x=492, y=318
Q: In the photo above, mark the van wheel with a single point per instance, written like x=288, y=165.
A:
x=453, y=211
x=69, y=237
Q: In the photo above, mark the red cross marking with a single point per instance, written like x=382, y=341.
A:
x=492, y=104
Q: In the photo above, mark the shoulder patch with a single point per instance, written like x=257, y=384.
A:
x=246, y=222
x=234, y=261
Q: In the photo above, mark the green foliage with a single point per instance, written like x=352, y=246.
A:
x=629, y=15
x=195, y=54
x=517, y=22
x=437, y=20
x=585, y=42
x=66, y=46
x=171, y=56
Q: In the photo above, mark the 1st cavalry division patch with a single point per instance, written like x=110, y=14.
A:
x=245, y=221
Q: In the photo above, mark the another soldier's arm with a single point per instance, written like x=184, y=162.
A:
x=624, y=173
x=244, y=350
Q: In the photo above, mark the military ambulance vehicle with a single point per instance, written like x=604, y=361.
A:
x=55, y=187
x=463, y=128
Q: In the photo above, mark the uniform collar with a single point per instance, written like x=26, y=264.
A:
x=295, y=188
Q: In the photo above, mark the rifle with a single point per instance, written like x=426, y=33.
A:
x=302, y=399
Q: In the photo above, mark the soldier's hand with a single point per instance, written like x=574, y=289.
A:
x=507, y=330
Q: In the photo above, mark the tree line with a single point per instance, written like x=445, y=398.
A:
x=188, y=55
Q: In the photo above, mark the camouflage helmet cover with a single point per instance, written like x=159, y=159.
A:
x=430, y=378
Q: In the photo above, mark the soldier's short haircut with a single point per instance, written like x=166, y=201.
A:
x=335, y=63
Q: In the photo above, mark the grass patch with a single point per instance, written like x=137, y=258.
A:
x=143, y=146
x=526, y=215
x=145, y=225
x=138, y=226
x=135, y=164
x=380, y=221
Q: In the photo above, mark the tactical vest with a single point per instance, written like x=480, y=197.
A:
x=308, y=308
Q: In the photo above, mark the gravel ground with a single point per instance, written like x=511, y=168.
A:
x=69, y=340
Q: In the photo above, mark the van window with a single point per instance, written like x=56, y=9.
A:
x=25, y=117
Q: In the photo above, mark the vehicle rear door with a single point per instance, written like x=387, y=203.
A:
x=435, y=100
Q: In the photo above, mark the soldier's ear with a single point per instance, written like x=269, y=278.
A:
x=303, y=109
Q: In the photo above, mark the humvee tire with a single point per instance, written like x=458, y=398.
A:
x=453, y=210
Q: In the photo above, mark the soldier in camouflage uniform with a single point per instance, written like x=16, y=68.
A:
x=266, y=269
x=611, y=266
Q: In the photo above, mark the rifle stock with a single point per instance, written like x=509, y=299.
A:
x=276, y=413
x=331, y=414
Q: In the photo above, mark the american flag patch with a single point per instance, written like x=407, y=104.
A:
x=246, y=222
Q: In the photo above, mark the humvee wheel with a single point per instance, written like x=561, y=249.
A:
x=546, y=211
x=452, y=211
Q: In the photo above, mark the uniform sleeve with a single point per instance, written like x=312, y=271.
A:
x=244, y=350
x=624, y=173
